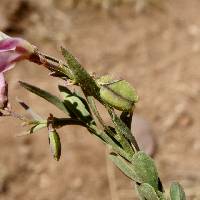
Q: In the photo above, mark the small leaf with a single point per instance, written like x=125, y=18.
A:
x=72, y=63
x=177, y=192
x=45, y=95
x=147, y=192
x=77, y=94
x=80, y=76
x=121, y=128
x=75, y=105
x=37, y=128
x=124, y=166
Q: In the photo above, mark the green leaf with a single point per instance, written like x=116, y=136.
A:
x=75, y=105
x=145, y=169
x=124, y=166
x=77, y=94
x=177, y=192
x=109, y=141
x=141, y=170
x=73, y=64
x=45, y=95
x=121, y=128
x=80, y=76
x=124, y=140
x=147, y=192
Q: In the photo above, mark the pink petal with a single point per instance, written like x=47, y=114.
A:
x=7, y=60
x=17, y=44
x=8, y=44
x=13, y=50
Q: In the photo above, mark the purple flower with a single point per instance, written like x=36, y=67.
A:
x=12, y=50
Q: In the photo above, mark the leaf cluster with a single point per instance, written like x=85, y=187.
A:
x=81, y=110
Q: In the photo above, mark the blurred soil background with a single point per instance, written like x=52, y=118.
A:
x=154, y=45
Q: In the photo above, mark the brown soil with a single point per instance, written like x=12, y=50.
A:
x=157, y=51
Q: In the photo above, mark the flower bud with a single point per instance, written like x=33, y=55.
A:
x=13, y=50
x=54, y=142
x=117, y=93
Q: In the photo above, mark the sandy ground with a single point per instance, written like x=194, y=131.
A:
x=156, y=50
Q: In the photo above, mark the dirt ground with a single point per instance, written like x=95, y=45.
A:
x=156, y=50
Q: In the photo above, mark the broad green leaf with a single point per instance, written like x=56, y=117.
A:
x=147, y=192
x=75, y=105
x=145, y=169
x=177, y=192
x=45, y=95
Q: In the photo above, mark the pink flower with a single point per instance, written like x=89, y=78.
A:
x=12, y=50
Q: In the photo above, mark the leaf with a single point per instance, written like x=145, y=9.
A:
x=45, y=95
x=145, y=169
x=121, y=128
x=177, y=192
x=71, y=61
x=109, y=141
x=37, y=127
x=75, y=105
x=80, y=76
x=77, y=94
x=124, y=166
x=147, y=192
